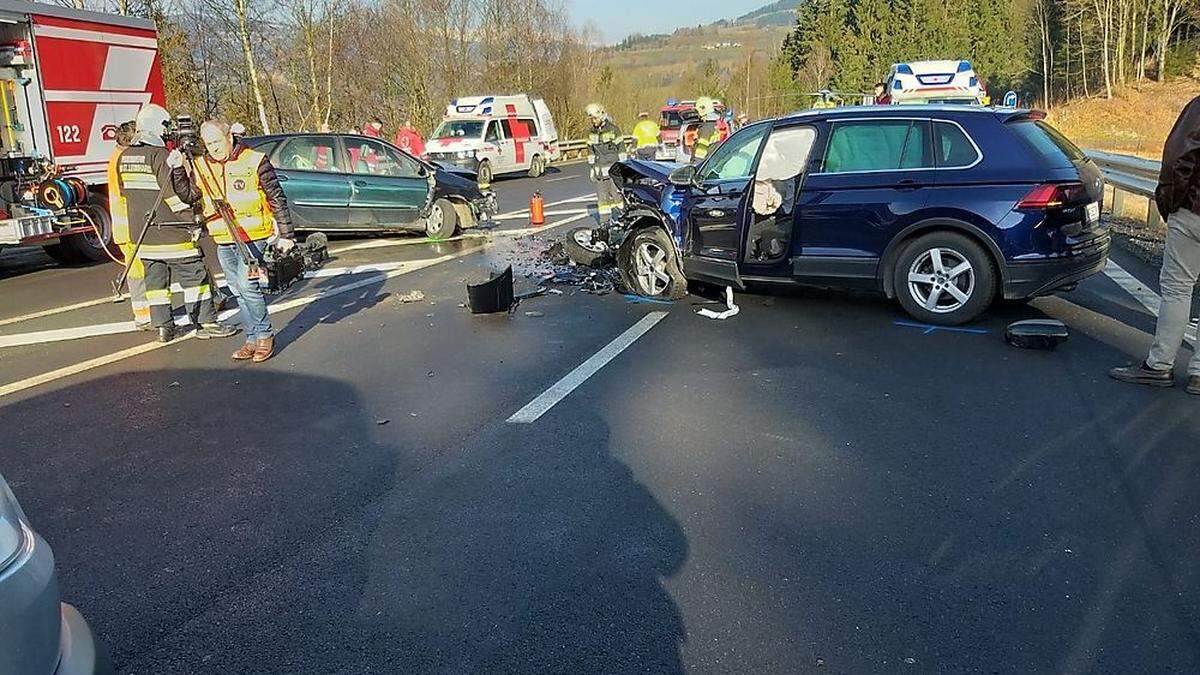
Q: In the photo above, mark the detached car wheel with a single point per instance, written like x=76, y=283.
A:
x=442, y=221
x=484, y=173
x=944, y=278
x=580, y=248
x=649, y=266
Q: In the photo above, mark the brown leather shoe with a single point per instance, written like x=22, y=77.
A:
x=245, y=352
x=264, y=350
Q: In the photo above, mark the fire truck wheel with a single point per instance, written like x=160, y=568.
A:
x=537, y=166
x=484, y=173
x=442, y=221
x=88, y=245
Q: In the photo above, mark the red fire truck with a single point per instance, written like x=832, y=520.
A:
x=68, y=79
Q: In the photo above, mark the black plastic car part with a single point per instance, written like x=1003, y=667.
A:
x=493, y=295
x=1045, y=334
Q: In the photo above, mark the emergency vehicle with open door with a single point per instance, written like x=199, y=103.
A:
x=68, y=79
x=496, y=135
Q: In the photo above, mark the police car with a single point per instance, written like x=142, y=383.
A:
x=935, y=82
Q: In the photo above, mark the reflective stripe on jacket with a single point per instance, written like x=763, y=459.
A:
x=707, y=137
x=142, y=178
x=605, y=143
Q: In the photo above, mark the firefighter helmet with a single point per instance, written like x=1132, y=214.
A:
x=705, y=106
x=153, y=119
x=596, y=111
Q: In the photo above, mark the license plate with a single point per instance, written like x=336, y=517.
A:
x=1093, y=213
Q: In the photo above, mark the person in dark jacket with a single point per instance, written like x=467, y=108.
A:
x=1178, y=200
x=606, y=149
x=147, y=174
x=238, y=183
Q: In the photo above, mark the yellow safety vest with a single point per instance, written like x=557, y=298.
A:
x=646, y=133
x=116, y=202
x=235, y=181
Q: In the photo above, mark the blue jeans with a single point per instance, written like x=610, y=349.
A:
x=251, y=301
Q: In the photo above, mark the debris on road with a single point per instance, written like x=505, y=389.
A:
x=1044, y=334
x=721, y=316
x=493, y=295
x=382, y=421
x=547, y=262
x=535, y=314
x=410, y=297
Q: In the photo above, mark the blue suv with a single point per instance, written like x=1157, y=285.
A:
x=944, y=208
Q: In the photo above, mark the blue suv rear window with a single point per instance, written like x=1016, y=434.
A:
x=1047, y=142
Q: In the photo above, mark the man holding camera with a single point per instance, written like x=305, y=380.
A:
x=147, y=176
x=240, y=196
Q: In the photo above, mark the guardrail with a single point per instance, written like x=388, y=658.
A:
x=577, y=149
x=1129, y=175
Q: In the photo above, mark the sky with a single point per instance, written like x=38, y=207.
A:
x=618, y=18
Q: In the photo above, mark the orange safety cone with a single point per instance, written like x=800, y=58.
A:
x=537, y=210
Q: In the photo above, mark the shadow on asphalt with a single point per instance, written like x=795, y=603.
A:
x=249, y=520
x=332, y=309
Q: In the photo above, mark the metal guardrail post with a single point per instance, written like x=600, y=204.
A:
x=1129, y=175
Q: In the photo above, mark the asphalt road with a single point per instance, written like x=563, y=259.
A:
x=808, y=486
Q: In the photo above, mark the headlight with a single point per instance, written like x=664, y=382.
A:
x=12, y=532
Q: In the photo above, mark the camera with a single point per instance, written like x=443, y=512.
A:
x=185, y=136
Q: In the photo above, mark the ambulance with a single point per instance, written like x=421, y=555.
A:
x=496, y=135
x=934, y=82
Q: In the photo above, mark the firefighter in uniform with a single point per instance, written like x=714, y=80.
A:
x=646, y=132
x=121, y=235
x=607, y=148
x=146, y=175
x=707, y=135
x=244, y=181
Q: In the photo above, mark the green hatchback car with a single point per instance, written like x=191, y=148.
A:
x=340, y=182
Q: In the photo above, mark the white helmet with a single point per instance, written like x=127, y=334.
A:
x=152, y=119
x=705, y=106
x=595, y=111
x=237, y=129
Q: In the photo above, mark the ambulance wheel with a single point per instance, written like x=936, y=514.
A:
x=90, y=245
x=484, y=173
x=442, y=221
x=537, y=167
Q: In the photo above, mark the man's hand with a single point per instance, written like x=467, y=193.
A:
x=283, y=244
x=175, y=159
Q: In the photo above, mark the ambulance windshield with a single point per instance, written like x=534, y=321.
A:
x=459, y=129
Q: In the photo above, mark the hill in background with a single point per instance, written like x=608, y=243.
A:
x=1136, y=121
x=649, y=69
x=780, y=13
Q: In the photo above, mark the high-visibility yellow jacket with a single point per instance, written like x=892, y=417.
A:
x=708, y=136
x=117, y=206
x=646, y=133
x=237, y=182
